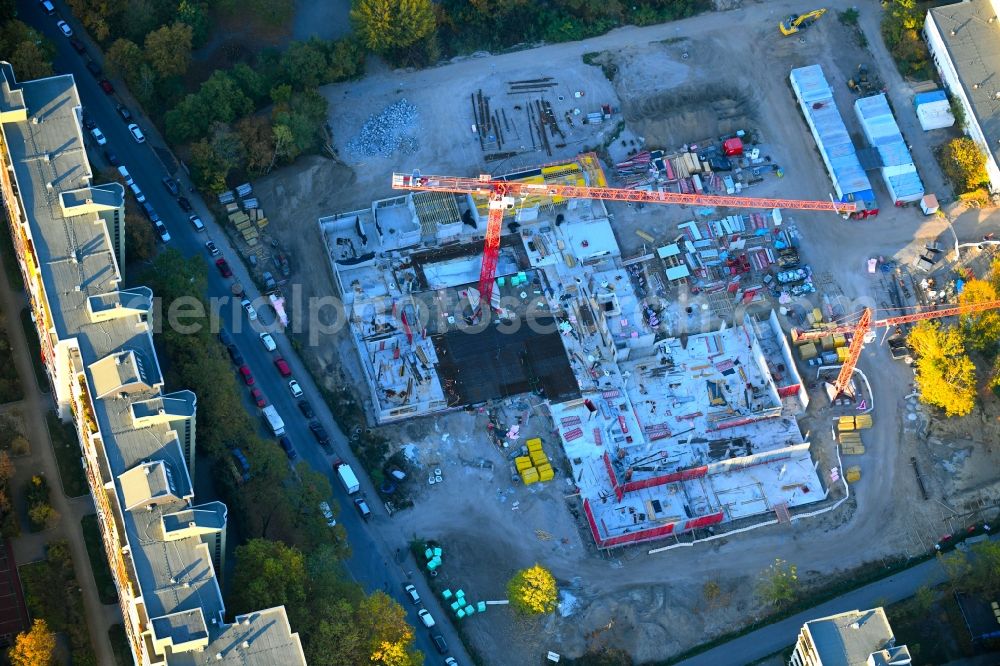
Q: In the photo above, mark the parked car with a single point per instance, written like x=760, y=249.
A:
x=450, y=661
x=167, y=181
x=319, y=432
x=362, y=506
x=268, y=342
x=324, y=508
x=258, y=397
x=98, y=136
x=64, y=28
x=94, y=69
x=286, y=446
x=251, y=312
x=412, y=593
x=88, y=122
x=246, y=375
x=126, y=176
x=306, y=409
x=161, y=230
x=139, y=196
x=234, y=354
x=223, y=267
x=111, y=158
x=225, y=338
x=106, y=87
x=47, y=7
x=296, y=390
x=124, y=112
x=440, y=643
x=426, y=617
x=184, y=204
x=136, y=133
x=212, y=250
x=77, y=45
x=282, y=366
x=196, y=223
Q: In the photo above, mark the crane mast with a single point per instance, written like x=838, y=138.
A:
x=501, y=194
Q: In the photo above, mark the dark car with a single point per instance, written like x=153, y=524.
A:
x=319, y=432
x=286, y=446
x=149, y=211
x=124, y=112
x=223, y=267
x=77, y=45
x=184, y=204
x=94, y=68
x=224, y=337
x=235, y=354
x=171, y=185
x=306, y=409
x=440, y=643
x=282, y=366
x=88, y=122
x=111, y=158
x=258, y=397
x=106, y=87
x=366, y=513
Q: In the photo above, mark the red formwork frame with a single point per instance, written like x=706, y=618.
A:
x=650, y=534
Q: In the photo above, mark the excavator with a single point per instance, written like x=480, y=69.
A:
x=796, y=22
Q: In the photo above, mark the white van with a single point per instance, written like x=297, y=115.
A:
x=126, y=175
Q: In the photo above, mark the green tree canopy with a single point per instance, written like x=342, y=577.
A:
x=168, y=49
x=268, y=574
x=26, y=49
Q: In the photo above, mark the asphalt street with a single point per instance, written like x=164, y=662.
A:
x=375, y=564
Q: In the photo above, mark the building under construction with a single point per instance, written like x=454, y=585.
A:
x=665, y=434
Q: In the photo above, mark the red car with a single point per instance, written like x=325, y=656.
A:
x=106, y=87
x=246, y=375
x=77, y=45
x=282, y=367
x=223, y=267
x=258, y=397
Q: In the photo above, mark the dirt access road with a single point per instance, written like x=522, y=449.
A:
x=651, y=605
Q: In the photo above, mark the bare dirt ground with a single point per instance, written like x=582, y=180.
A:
x=675, y=84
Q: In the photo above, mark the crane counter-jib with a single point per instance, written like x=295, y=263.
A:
x=485, y=187
x=937, y=313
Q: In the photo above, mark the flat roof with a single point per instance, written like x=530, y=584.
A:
x=848, y=639
x=972, y=38
x=79, y=269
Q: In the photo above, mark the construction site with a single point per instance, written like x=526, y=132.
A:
x=592, y=347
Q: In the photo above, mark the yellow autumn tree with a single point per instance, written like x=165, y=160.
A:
x=533, y=590
x=35, y=647
x=387, y=26
x=982, y=330
x=964, y=162
x=946, y=377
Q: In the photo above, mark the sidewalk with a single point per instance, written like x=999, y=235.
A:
x=31, y=547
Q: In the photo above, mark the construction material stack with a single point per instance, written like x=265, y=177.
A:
x=848, y=428
x=535, y=466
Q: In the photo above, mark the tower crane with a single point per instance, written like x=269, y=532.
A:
x=502, y=193
x=865, y=324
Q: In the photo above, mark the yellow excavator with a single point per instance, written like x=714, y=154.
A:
x=796, y=22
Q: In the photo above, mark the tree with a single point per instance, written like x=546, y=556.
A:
x=207, y=170
x=305, y=64
x=35, y=647
x=779, y=583
x=602, y=656
x=195, y=15
x=43, y=516
x=964, y=162
x=26, y=49
x=140, y=243
x=984, y=578
x=389, y=27
x=946, y=376
x=168, y=49
x=124, y=58
x=272, y=12
x=981, y=330
x=257, y=137
x=6, y=468
x=389, y=638
x=533, y=591
x=268, y=574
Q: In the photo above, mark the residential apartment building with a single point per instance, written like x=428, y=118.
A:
x=138, y=443
x=964, y=41
x=853, y=638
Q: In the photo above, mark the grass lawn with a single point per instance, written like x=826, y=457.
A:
x=106, y=589
x=52, y=592
x=11, y=389
x=67, y=450
x=119, y=645
x=36, y=350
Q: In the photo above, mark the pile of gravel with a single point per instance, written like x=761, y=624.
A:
x=387, y=132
